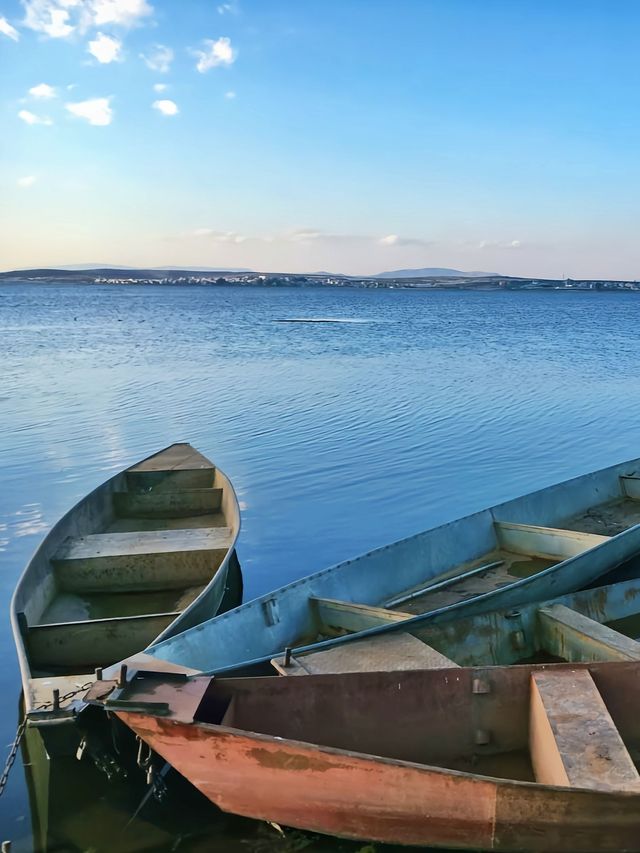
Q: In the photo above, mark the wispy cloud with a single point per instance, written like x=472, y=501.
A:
x=228, y=8
x=159, y=58
x=31, y=118
x=229, y=95
x=60, y=18
x=160, y=87
x=96, y=111
x=7, y=30
x=105, y=49
x=43, y=90
x=166, y=107
x=499, y=244
x=220, y=236
x=397, y=240
x=27, y=181
x=215, y=53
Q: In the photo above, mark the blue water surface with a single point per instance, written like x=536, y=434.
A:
x=338, y=437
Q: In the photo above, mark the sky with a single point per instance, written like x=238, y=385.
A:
x=353, y=136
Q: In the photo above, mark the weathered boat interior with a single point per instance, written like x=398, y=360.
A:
x=122, y=566
x=597, y=624
x=550, y=542
x=574, y=726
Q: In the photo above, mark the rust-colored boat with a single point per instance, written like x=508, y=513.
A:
x=528, y=758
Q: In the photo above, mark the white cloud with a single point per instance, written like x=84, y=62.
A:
x=96, y=111
x=27, y=181
x=42, y=90
x=167, y=108
x=220, y=236
x=219, y=52
x=60, y=18
x=159, y=59
x=50, y=17
x=125, y=13
x=397, y=240
x=504, y=244
x=228, y=8
x=105, y=48
x=229, y=95
x=7, y=30
x=160, y=87
x=31, y=118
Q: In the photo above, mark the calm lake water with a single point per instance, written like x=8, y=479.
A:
x=416, y=409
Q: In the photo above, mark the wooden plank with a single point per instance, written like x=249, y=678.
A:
x=572, y=739
x=352, y=617
x=168, y=559
x=177, y=457
x=145, y=543
x=94, y=642
x=167, y=481
x=545, y=541
x=574, y=637
x=175, y=504
x=385, y=653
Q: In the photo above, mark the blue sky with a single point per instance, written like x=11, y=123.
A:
x=344, y=135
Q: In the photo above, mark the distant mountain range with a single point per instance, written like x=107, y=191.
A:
x=432, y=272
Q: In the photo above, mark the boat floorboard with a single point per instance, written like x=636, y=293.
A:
x=514, y=567
x=607, y=519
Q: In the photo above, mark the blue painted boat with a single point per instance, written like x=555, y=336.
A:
x=597, y=624
x=540, y=546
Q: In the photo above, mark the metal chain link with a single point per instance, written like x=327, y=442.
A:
x=4, y=778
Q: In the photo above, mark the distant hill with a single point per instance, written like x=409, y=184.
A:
x=433, y=272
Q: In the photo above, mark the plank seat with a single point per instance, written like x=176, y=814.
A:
x=166, y=559
x=94, y=642
x=353, y=617
x=177, y=457
x=174, y=504
x=178, y=467
x=384, y=653
x=573, y=740
x=572, y=636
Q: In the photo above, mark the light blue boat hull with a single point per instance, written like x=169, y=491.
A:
x=267, y=625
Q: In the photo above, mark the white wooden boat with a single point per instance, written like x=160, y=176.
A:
x=147, y=554
x=545, y=544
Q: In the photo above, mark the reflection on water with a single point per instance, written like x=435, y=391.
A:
x=338, y=437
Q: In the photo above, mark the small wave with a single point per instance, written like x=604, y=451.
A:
x=319, y=320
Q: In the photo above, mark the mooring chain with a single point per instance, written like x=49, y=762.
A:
x=15, y=746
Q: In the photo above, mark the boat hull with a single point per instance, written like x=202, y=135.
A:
x=356, y=797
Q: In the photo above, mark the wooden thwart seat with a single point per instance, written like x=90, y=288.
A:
x=353, y=617
x=572, y=739
x=167, y=559
x=93, y=642
x=173, y=504
x=572, y=636
x=178, y=467
x=384, y=653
